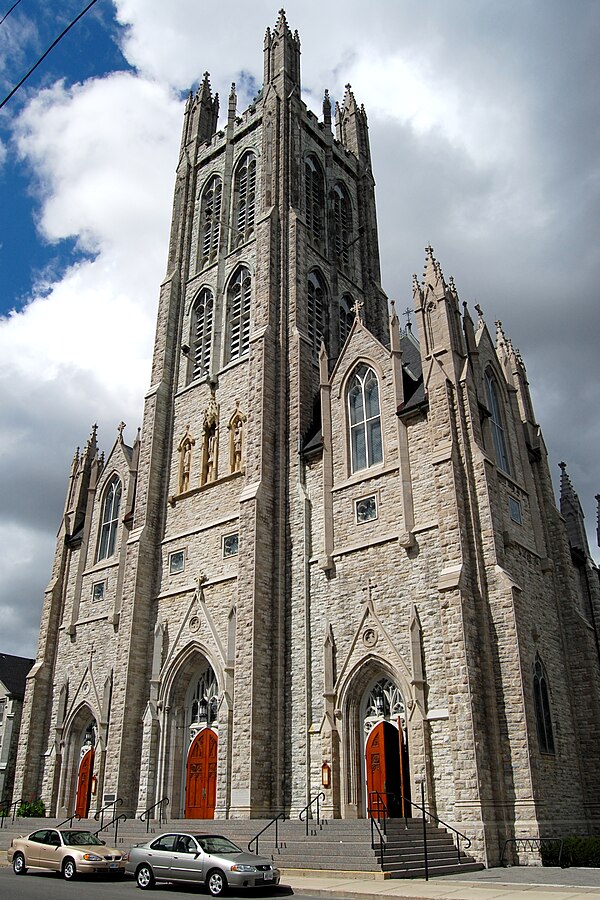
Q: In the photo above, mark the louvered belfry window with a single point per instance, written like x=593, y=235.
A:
x=239, y=295
x=210, y=221
x=245, y=198
x=315, y=311
x=497, y=422
x=202, y=327
x=345, y=318
x=315, y=197
x=342, y=224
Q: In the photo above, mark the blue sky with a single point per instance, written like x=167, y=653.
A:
x=485, y=127
x=88, y=50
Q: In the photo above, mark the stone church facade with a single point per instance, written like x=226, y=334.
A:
x=332, y=560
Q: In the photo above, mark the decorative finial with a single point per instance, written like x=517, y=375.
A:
x=120, y=428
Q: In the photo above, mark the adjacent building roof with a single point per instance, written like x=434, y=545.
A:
x=13, y=672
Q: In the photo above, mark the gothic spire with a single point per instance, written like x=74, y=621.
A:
x=571, y=511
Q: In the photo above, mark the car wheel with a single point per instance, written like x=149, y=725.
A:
x=69, y=870
x=19, y=867
x=145, y=877
x=216, y=883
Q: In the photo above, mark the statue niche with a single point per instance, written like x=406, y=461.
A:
x=236, y=439
x=185, y=460
x=210, y=443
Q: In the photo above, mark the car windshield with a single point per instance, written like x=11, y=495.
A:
x=215, y=843
x=80, y=839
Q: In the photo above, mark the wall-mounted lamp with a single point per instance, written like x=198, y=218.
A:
x=326, y=774
x=94, y=786
x=185, y=349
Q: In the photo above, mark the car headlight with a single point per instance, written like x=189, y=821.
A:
x=125, y=857
x=92, y=857
x=241, y=868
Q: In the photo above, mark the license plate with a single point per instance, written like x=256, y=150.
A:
x=113, y=866
x=268, y=876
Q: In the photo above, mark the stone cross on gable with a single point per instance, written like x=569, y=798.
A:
x=120, y=428
x=408, y=315
x=357, y=308
x=368, y=592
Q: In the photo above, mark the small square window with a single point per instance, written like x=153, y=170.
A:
x=176, y=562
x=231, y=544
x=98, y=590
x=516, y=513
x=366, y=509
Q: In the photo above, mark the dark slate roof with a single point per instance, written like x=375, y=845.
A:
x=13, y=672
x=412, y=373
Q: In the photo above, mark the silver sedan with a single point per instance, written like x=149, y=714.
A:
x=209, y=859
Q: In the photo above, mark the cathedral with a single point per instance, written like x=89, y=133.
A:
x=331, y=561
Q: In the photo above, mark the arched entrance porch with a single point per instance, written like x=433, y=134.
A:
x=79, y=763
x=375, y=760
x=190, y=738
x=387, y=772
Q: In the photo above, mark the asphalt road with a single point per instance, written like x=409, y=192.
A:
x=49, y=886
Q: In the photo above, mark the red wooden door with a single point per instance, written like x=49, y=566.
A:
x=201, y=776
x=84, y=784
x=384, y=789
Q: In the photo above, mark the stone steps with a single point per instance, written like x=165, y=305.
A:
x=342, y=846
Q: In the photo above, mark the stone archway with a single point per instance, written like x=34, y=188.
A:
x=78, y=763
x=374, y=693
x=191, y=706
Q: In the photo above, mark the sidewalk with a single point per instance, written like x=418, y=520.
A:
x=530, y=882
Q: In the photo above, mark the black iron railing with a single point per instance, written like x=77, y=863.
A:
x=160, y=818
x=314, y=801
x=428, y=814
x=273, y=822
x=115, y=822
x=5, y=809
x=99, y=816
x=69, y=821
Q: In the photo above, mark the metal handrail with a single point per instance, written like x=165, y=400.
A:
x=316, y=799
x=145, y=816
x=100, y=814
x=382, y=839
x=381, y=804
x=431, y=815
x=69, y=821
x=7, y=807
x=533, y=843
x=273, y=821
x=115, y=822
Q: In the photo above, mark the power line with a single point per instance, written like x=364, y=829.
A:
x=44, y=55
x=6, y=15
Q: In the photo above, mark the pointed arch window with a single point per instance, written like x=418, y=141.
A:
x=244, y=192
x=110, y=519
x=342, y=224
x=315, y=311
x=314, y=187
x=239, y=295
x=346, y=315
x=496, y=422
x=202, y=328
x=542, y=707
x=366, y=445
x=210, y=222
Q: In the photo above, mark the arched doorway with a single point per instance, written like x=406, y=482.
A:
x=386, y=751
x=201, y=776
x=202, y=755
x=85, y=772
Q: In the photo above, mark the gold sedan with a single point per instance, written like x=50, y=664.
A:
x=67, y=851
